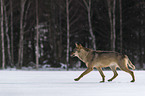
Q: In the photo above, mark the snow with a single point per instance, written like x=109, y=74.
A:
x=61, y=83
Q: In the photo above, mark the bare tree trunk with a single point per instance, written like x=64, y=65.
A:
x=110, y=18
x=2, y=36
x=113, y=32
x=141, y=43
x=68, y=34
x=120, y=5
x=20, y=55
x=8, y=38
x=111, y=12
x=37, y=37
x=12, y=49
x=52, y=31
x=88, y=6
x=60, y=37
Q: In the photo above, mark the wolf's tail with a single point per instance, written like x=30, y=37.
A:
x=130, y=63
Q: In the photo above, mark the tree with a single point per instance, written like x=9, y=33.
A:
x=120, y=5
x=111, y=12
x=68, y=33
x=88, y=6
x=7, y=36
x=54, y=31
x=2, y=34
x=21, y=42
x=12, y=46
x=37, y=36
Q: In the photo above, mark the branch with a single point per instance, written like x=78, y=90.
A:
x=25, y=17
x=74, y=14
x=69, y=1
x=86, y=4
x=74, y=21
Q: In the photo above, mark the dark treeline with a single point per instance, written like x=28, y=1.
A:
x=40, y=32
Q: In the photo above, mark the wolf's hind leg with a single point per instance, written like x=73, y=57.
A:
x=84, y=73
x=113, y=68
x=123, y=66
x=130, y=72
x=102, y=74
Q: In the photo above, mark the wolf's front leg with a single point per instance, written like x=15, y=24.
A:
x=84, y=73
x=102, y=74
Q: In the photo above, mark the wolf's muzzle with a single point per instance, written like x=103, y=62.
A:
x=72, y=54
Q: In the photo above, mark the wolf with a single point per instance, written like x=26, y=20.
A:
x=99, y=59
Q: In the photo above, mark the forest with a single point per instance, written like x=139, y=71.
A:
x=36, y=33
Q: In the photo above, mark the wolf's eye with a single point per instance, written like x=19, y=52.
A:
x=76, y=50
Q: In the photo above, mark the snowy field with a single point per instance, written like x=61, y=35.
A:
x=61, y=83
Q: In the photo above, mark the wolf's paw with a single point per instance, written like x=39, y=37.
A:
x=132, y=81
x=102, y=81
x=110, y=80
x=77, y=79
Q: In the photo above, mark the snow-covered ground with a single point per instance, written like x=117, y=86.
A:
x=61, y=83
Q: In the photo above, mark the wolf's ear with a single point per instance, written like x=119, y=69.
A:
x=80, y=45
x=76, y=44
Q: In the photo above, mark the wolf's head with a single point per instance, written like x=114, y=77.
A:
x=77, y=50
